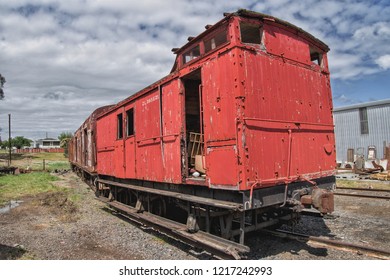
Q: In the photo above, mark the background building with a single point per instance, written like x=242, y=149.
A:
x=47, y=143
x=361, y=128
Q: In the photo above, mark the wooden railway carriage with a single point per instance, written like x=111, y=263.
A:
x=82, y=146
x=239, y=136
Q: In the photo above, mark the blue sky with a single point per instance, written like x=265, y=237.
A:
x=63, y=59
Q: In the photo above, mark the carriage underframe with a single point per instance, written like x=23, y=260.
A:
x=211, y=218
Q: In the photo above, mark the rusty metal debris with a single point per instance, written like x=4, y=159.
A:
x=341, y=245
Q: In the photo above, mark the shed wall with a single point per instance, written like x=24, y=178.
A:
x=348, y=134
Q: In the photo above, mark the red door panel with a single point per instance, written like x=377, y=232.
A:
x=172, y=118
x=222, y=167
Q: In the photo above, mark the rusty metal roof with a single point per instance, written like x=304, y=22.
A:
x=361, y=105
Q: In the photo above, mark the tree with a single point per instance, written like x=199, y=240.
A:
x=4, y=144
x=2, y=82
x=20, y=142
x=64, y=137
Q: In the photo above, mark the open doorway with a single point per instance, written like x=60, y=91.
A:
x=194, y=125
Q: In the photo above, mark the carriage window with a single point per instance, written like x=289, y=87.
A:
x=250, y=33
x=217, y=40
x=315, y=56
x=130, y=122
x=119, y=126
x=191, y=54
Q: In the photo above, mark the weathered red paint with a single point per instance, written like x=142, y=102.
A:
x=130, y=148
x=171, y=130
x=82, y=147
x=266, y=112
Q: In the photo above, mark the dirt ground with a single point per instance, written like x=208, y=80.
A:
x=51, y=226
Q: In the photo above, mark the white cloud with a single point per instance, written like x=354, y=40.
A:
x=384, y=61
x=343, y=99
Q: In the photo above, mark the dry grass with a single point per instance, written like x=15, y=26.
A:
x=35, y=161
x=364, y=184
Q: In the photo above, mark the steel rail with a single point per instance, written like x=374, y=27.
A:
x=340, y=245
x=362, y=189
x=362, y=195
x=217, y=246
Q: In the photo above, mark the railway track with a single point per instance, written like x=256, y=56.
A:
x=363, y=189
x=217, y=246
x=226, y=249
x=357, y=193
x=330, y=243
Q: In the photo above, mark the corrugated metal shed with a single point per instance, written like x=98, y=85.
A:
x=348, y=127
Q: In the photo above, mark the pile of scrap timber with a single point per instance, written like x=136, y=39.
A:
x=382, y=176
